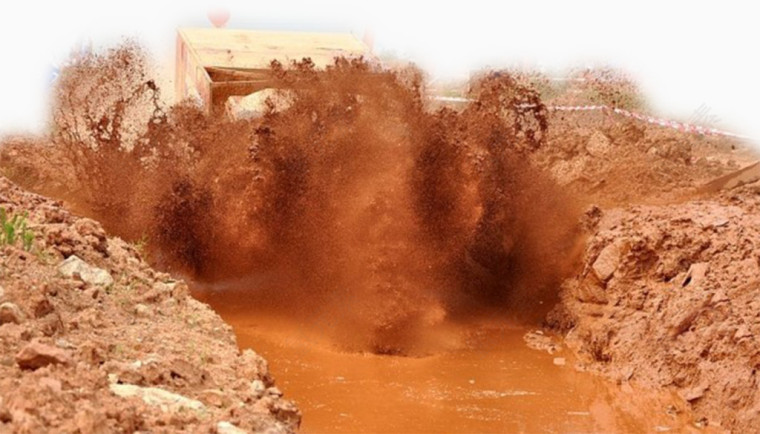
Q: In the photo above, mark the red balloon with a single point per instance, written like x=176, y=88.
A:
x=219, y=17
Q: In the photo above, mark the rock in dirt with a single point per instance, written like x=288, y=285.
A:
x=228, y=428
x=537, y=340
x=94, y=276
x=693, y=393
x=598, y=144
x=164, y=399
x=607, y=262
x=142, y=310
x=257, y=388
x=10, y=313
x=36, y=355
x=695, y=275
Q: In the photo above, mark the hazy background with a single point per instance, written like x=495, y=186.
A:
x=692, y=60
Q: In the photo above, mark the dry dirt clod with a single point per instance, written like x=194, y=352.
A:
x=43, y=307
x=257, y=388
x=225, y=427
x=74, y=266
x=142, y=310
x=607, y=262
x=695, y=275
x=35, y=355
x=598, y=145
x=10, y=313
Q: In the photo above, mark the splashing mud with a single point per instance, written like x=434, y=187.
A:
x=355, y=203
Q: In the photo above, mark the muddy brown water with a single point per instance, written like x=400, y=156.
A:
x=492, y=383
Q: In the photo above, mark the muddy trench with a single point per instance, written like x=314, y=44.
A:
x=393, y=263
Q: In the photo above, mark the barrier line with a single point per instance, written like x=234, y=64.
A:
x=667, y=123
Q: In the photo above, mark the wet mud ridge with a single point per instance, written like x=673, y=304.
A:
x=94, y=340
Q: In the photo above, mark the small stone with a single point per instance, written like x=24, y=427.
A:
x=695, y=275
x=187, y=371
x=258, y=388
x=225, y=427
x=274, y=391
x=719, y=296
x=5, y=414
x=693, y=393
x=742, y=332
x=142, y=310
x=598, y=144
x=63, y=343
x=537, y=340
x=607, y=262
x=559, y=361
x=10, y=313
x=215, y=398
x=155, y=396
x=36, y=355
x=51, y=384
x=43, y=307
x=165, y=287
x=74, y=266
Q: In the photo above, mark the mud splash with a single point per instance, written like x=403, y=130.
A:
x=355, y=202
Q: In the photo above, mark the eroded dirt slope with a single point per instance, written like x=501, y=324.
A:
x=94, y=340
x=669, y=297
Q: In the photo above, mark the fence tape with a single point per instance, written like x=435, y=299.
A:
x=667, y=123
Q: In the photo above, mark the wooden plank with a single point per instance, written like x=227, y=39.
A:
x=734, y=179
x=251, y=60
x=238, y=60
x=251, y=49
x=179, y=69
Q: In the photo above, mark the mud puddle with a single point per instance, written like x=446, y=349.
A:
x=494, y=383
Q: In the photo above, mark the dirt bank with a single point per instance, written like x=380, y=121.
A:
x=614, y=161
x=668, y=297
x=94, y=340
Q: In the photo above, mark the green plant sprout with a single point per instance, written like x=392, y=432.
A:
x=15, y=229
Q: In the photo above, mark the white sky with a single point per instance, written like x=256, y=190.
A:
x=688, y=56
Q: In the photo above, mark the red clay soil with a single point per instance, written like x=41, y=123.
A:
x=668, y=296
x=665, y=293
x=615, y=161
x=94, y=340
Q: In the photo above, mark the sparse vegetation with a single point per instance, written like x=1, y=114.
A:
x=14, y=229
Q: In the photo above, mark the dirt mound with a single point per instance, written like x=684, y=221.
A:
x=94, y=340
x=616, y=161
x=668, y=297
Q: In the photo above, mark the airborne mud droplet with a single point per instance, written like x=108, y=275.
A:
x=355, y=204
